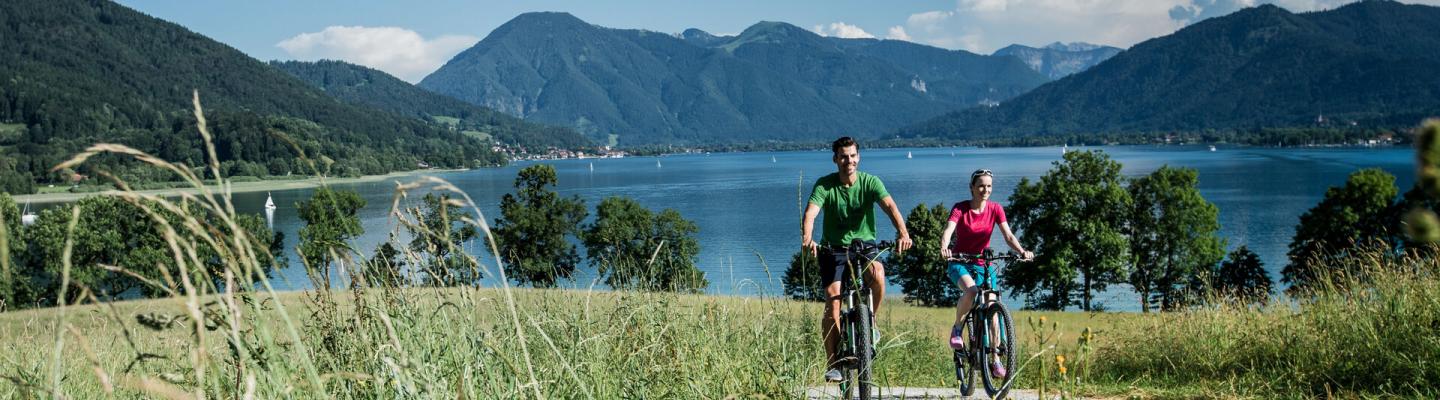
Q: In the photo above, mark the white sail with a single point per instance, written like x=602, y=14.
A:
x=26, y=217
x=269, y=202
x=909, y=155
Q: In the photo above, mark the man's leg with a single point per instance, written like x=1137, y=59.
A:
x=831, y=321
x=876, y=280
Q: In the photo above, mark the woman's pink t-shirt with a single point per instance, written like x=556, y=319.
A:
x=973, y=230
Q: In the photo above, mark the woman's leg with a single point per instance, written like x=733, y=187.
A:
x=967, y=297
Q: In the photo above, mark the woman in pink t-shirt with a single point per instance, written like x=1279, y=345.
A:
x=971, y=224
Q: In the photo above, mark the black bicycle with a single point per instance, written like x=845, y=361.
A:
x=987, y=308
x=857, y=341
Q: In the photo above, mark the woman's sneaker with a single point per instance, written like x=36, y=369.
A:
x=956, y=342
x=997, y=370
x=833, y=375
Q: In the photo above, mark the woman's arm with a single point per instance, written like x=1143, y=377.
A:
x=1013, y=242
x=945, y=239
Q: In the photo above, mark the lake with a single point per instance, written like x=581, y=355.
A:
x=747, y=205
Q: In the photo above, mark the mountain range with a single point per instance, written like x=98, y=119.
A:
x=772, y=82
x=1370, y=64
x=1058, y=60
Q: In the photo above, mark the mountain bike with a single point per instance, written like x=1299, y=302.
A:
x=857, y=342
x=986, y=310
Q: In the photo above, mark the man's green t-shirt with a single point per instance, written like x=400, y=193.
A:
x=849, y=211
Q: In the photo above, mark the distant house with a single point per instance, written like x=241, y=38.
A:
x=422, y=164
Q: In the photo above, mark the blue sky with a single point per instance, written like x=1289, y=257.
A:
x=412, y=39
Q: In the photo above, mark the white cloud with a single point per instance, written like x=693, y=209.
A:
x=843, y=30
x=898, y=33
x=397, y=51
x=928, y=21
x=984, y=5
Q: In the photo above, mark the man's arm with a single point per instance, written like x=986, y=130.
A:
x=888, y=204
x=807, y=228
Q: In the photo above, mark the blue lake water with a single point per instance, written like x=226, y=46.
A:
x=748, y=207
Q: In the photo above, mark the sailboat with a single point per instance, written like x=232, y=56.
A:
x=269, y=202
x=772, y=159
x=909, y=155
x=1064, y=149
x=657, y=163
x=1212, y=147
x=27, y=217
x=592, y=167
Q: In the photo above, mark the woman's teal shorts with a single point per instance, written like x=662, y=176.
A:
x=958, y=270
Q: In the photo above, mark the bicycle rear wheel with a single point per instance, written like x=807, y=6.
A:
x=864, y=346
x=996, y=386
x=965, y=359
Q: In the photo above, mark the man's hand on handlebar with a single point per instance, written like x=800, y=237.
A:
x=904, y=243
x=809, y=244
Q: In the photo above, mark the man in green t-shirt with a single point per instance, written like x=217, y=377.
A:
x=848, y=198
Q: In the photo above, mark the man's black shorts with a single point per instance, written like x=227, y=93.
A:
x=835, y=264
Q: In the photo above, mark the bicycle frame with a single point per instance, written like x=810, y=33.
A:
x=854, y=294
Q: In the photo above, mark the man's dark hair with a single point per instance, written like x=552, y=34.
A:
x=842, y=142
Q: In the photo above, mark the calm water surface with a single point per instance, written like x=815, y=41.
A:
x=748, y=206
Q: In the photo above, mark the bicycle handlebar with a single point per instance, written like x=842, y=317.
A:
x=859, y=246
x=986, y=256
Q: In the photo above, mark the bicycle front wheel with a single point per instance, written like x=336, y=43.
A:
x=1004, y=347
x=864, y=348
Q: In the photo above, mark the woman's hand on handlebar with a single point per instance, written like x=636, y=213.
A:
x=1026, y=255
x=945, y=252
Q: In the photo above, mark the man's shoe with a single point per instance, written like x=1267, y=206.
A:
x=833, y=375
x=956, y=342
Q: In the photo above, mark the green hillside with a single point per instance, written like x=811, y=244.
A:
x=367, y=87
x=78, y=72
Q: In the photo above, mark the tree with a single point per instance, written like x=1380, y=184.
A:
x=12, y=242
x=532, y=228
x=112, y=231
x=1172, y=233
x=920, y=271
x=1073, y=220
x=330, y=222
x=440, y=235
x=637, y=249
x=802, y=279
x=109, y=231
x=1350, y=218
x=1243, y=276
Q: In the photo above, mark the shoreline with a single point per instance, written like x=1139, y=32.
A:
x=238, y=187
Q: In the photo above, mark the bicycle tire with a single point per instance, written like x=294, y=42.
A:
x=997, y=388
x=964, y=360
x=864, y=346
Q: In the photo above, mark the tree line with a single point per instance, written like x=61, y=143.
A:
x=631, y=246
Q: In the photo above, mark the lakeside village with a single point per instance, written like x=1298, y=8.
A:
x=515, y=153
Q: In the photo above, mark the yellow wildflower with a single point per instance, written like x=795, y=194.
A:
x=1060, y=360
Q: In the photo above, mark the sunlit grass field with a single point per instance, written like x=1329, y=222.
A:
x=445, y=342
